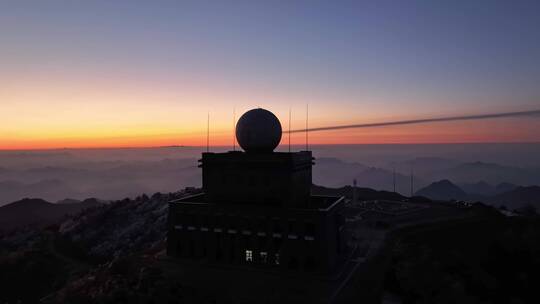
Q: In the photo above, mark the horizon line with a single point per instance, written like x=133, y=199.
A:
x=300, y=144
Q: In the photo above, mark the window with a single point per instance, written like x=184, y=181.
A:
x=292, y=227
x=249, y=256
x=277, y=242
x=203, y=250
x=293, y=263
x=310, y=229
x=310, y=264
x=219, y=253
x=276, y=226
x=245, y=224
x=276, y=258
x=264, y=256
x=179, y=248
x=191, y=249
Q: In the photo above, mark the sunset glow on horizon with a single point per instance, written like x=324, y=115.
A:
x=132, y=74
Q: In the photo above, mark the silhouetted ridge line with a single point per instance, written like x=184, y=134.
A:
x=425, y=120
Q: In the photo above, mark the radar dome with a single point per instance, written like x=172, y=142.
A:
x=258, y=130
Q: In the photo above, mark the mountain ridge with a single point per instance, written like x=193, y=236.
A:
x=38, y=212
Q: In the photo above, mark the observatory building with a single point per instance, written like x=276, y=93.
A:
x=256, y=210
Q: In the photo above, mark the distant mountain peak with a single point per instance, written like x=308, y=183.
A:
x=68, y=201
x=442, y=190
x=26, y=203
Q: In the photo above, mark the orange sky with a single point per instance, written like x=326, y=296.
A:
x=119, y=74
x=41, y=113
x=144, y=135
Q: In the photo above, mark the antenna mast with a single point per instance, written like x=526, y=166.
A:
x=289, y=129
x=307, y=119
x=208, y=133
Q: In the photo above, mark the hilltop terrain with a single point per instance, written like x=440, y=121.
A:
x=112, y=253
x=506, y=196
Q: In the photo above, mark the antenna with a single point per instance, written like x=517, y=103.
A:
x=208, y=133
x=290, y=129
x=234, y=128
x=307, y=119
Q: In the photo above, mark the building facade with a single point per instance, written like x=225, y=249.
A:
x=256, y=211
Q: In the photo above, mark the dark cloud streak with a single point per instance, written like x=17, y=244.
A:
x=424, y=120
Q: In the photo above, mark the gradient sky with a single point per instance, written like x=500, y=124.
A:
x=145, y=73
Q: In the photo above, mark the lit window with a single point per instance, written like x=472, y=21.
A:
x=276, y=259
x=264, y=256
x=249, y=256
